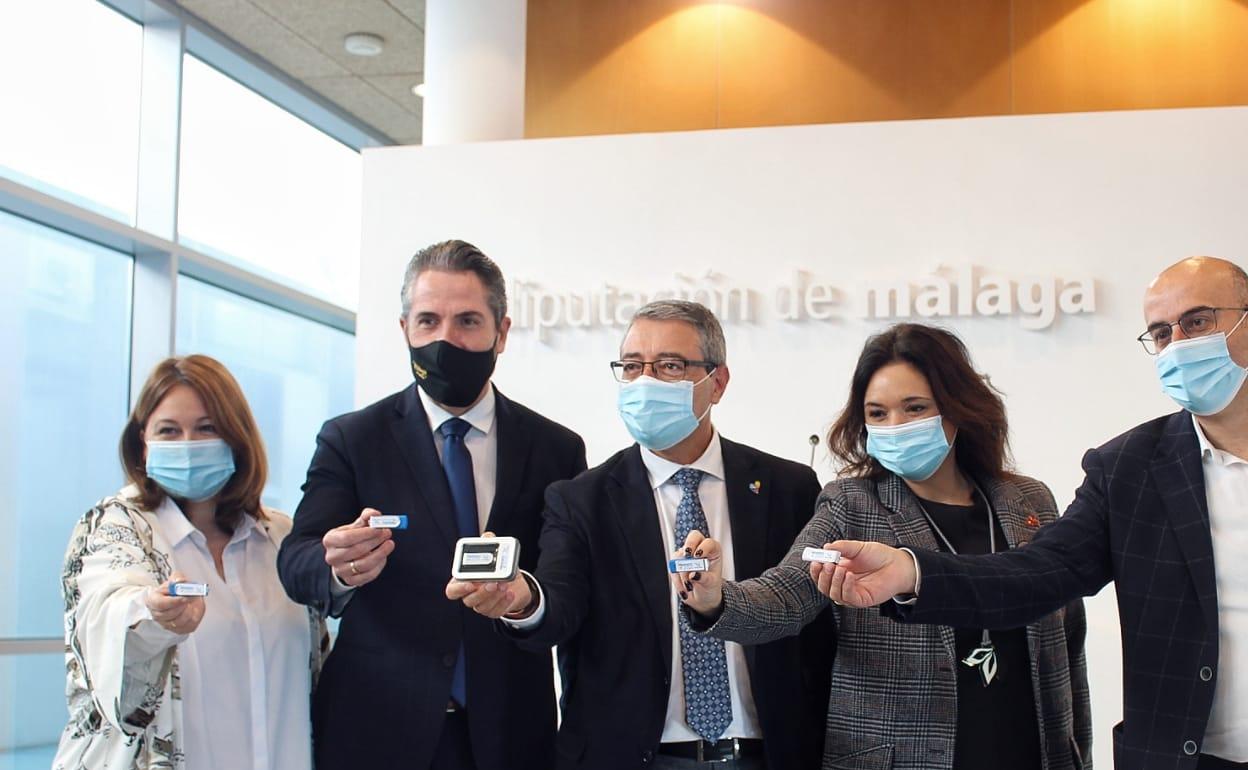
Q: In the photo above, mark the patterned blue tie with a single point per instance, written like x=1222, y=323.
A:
x=457, y=464
x=708, y=704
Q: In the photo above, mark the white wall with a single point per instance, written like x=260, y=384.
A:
x=1113, y=196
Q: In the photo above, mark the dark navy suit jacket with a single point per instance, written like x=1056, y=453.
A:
x=608, y=607
x=381, y=699
x=1140, y=519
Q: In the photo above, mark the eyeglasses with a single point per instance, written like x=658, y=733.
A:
x=666, y=369
x=1200, y=322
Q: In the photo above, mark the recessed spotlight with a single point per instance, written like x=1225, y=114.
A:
x=419, y=90
x=363, y=44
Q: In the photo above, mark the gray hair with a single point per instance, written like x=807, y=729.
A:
x=710, y=333
x=457, y=257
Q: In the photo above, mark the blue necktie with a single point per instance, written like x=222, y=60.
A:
x=457, y=464
x=708, y=704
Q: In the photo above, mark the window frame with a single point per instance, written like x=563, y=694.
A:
x=168, y=34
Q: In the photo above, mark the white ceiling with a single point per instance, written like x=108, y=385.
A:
x=303, y=38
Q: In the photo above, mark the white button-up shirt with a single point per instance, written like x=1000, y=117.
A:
x=245, y=683
x=1226, y=490
x=713, y=494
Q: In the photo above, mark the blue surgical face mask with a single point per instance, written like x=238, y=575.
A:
x=659, y=415
x=913, y=450
x=191, y=470
x=1199, y=373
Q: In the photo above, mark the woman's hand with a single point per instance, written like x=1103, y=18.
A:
x=179, y=614
x=703, y=592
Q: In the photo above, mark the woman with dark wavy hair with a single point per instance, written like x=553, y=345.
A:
x=924, y=446
x=219, y=679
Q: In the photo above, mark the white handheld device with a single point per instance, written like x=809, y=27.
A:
x=188, y=589
x=688, y=565
x=826, y=556
x=486, y=558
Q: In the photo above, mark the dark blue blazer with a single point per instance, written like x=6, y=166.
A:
x=608, y=607
x=381, y=699
x=1140, y=519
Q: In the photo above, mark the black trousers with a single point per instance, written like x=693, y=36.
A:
x=454, y=750
x=1207, y=762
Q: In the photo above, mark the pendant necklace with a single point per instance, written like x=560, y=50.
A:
x=983, y=657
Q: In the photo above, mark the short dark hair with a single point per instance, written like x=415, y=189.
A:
x=963, y=396
x=457, y=257
x=227, y=406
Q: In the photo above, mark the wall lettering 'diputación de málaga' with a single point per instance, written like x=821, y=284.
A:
x=946, y=292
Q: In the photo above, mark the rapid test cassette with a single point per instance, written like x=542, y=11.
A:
x=388, y=522
x=188, y=589
x=687, y=565
x=823, y=555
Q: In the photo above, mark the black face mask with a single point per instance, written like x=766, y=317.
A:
x=451, y=375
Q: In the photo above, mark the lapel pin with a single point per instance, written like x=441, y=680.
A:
x=1032, y=521
x=755, y=486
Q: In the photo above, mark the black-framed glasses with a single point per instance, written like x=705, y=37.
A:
x=666, y=369
x=1199, y=322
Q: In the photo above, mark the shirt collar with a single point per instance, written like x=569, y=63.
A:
x=176, y=527
x=661, y=471
x=1208, y=452
x=480, y=416
x=173, y=523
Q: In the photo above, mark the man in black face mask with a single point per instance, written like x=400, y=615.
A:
x=415, y=680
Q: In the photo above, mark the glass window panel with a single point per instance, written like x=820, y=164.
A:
x=295, y=373
x=32, y=710
x=69, y=83
x=263, y=189
x=65, y=311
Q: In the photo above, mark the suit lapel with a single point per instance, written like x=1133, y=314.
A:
x=410, y=429
x=513, y=457
x=748, y=484
x=1180, y=478
x=633, y=500
x=1011, y=511
x=911, y=529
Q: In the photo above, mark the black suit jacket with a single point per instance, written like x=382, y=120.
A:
x=608, y=607
x=1141, y=519
x=381, y=699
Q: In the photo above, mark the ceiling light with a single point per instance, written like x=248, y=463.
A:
x=419, y=90
x=363, y=44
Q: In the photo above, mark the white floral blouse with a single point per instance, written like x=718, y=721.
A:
x=123, y=681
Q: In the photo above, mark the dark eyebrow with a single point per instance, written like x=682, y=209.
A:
x=1197, y=309
x=905, y=400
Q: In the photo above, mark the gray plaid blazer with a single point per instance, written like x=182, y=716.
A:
x=893, y=700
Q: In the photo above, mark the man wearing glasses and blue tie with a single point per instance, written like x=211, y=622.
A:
x=640, y=689
x=1162, y=512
